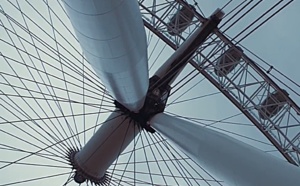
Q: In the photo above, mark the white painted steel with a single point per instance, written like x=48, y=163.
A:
x=171, y=61
x=226, y=157
x=169, y=64
x=112, y=36
x=106, y=145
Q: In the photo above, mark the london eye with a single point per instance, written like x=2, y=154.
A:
x=149, y=93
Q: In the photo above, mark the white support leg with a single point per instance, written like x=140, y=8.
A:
x=111, y=34
x=105, y=146
x=226, y=157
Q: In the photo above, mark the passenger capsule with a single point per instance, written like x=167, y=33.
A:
x=228, y=61
x=181, y=20
x=272, y=104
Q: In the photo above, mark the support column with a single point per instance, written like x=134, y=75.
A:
x=114, y=135
x=112, y=36
x=227, y=158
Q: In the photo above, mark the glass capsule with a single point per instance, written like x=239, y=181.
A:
x=228, y=61
x=181, y=20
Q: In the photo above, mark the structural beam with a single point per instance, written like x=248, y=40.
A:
x=226, y=157
x=112, y=36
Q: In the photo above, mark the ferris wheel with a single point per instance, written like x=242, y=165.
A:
x=176, y=100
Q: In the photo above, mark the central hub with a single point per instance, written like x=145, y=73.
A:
x=155, y=102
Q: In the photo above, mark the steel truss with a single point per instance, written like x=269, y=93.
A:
x=247, y=86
